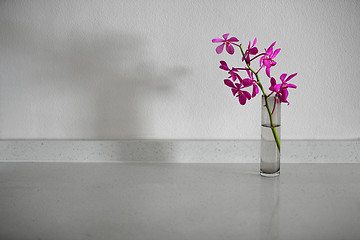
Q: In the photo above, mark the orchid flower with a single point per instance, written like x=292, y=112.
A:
x=232, y=72
x=251, y=81
x=225, y=42
x=237, y=92
x=281, y=88
x=268, y=59
x=252, y=50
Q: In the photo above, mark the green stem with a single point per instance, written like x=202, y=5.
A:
x=266, y=101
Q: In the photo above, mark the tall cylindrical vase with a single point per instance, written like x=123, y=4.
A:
x=270, y=136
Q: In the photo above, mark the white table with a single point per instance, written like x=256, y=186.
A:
x=178, y=201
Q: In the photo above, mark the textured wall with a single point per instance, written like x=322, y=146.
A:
x=148, y=69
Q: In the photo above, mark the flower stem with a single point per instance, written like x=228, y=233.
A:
x=257, y=56
x=276, y=137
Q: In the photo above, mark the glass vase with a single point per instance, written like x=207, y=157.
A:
x=270, y=136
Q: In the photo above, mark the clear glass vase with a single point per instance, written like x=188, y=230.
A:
x=270, y=136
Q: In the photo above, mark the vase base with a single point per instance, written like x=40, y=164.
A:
x=275, y=174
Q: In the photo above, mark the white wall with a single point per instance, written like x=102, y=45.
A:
x=148, y=69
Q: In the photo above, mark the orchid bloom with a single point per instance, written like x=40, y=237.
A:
x=268, y=59
x=281, y=88
x=251, y=81
x=225, y=42
x=252, y=50
x=232, y=71
x=236, y=89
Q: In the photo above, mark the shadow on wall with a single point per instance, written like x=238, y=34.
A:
x=89, y=85
x=85, y=85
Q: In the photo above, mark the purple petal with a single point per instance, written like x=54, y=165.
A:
x=291, y=76
x=226, y=35
x=229, y=48
x=289, y=85
x=284, y=95
x=216, y=40
x=261, y=60
x=277, y=87
x=254, y=42
x=267, y=70
x=255, y=90
x=242, y=99
x=269, y=52
x=283, y=76
x=253, y=50
x=233, y=76
x=272, y=81
x=233, y=39
x=247, y=82
x=247, y=94
x=234, y=91
x=276, y=52
x=224, y=66
x=267, y=63
x=249, y=73
x=229, y=83
x=220, y=48
x=272, y=45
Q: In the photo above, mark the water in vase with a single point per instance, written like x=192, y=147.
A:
x=270, y=154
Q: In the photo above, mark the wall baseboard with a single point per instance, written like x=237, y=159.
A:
x=175, y=151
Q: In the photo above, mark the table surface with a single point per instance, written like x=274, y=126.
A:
x=178, y=201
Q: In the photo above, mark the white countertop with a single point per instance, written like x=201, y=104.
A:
x=219, y=201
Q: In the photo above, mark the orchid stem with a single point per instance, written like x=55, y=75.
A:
x=276, y=137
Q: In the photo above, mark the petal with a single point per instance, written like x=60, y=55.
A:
x=272, y=45
x=232, y=39
x=291, y=76
x=254, y=42
x=284, y=95
x=215, y=40
x=233, y=76
x=224, y=66
x=283, y=76
x=226, y=35
x=289, y=85
x=229, y=83
x=253, y=50
x=261, y=60
x=269, y=52
x=247, y=94
x=229, y=48
x=247, y=82
x=277, y=87
x=242, y=99
x=276, y=52
x=220, y=48
x=234, y=91
x=267, y=70
x=255, y=90
x=267, y=63
x=272, y=81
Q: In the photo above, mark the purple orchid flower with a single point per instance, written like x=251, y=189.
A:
x=281, y=88
x=268, y=59
x=232, y=71
x=236, y=89
x=251, y=81
x=252, y=50
x=225, y=42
